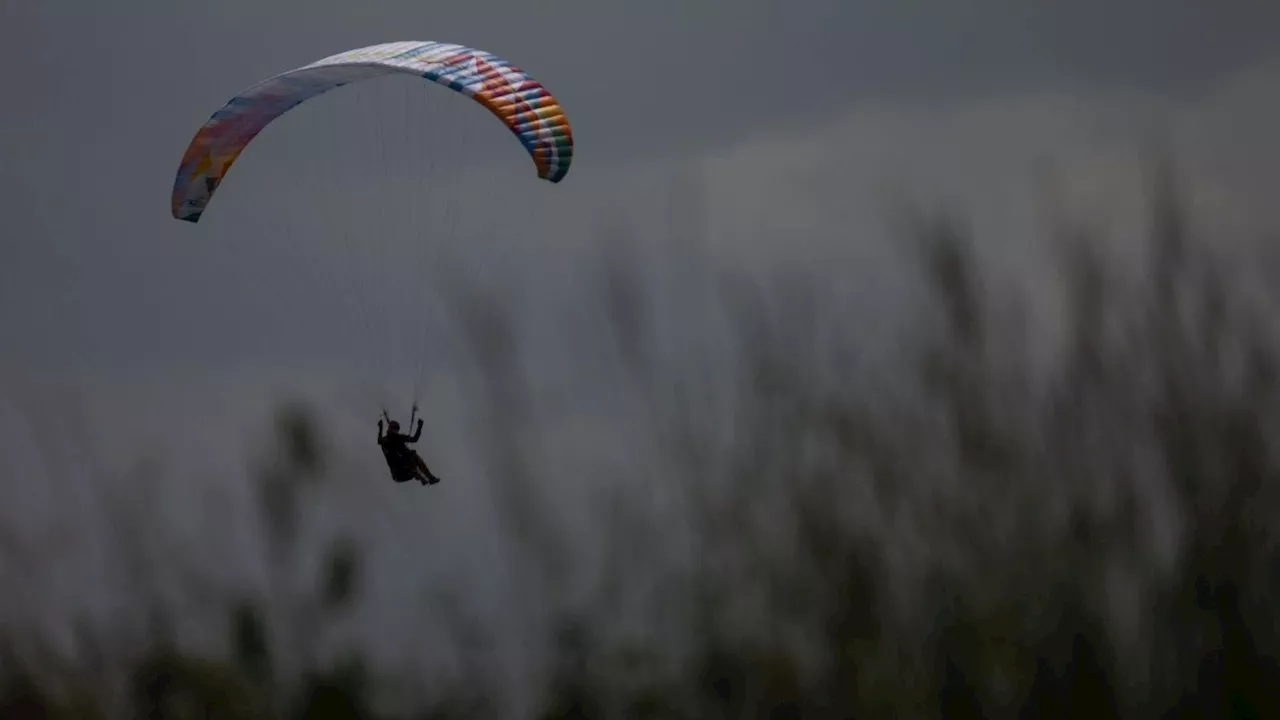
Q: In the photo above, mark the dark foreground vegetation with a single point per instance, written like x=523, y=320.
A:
x=1084, y=537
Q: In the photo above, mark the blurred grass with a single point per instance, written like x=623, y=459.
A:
x=958, y=555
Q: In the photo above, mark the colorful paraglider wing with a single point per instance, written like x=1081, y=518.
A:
x=522, y=103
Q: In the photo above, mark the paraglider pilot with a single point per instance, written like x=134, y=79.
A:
x=403, y=461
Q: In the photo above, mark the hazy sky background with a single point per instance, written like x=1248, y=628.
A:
x=794, y=122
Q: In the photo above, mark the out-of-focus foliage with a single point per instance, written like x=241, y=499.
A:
x=987, y=547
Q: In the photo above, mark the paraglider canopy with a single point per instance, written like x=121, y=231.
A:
x=527, y=109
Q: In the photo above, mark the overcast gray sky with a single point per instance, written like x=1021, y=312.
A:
x=111, y=94
x=792, y=119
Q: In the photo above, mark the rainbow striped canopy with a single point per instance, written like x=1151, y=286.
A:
x=520, y=102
